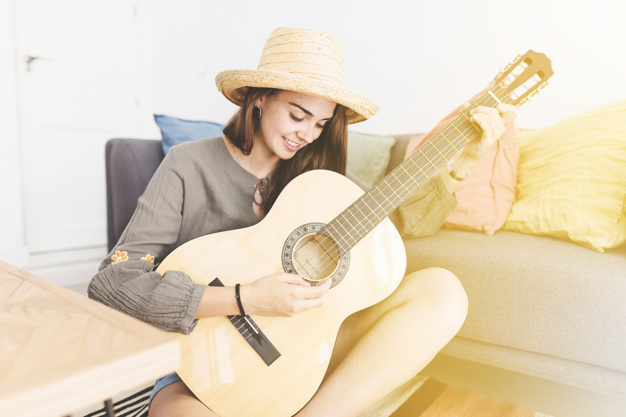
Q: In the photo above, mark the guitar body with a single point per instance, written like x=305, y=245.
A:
x=218, y=364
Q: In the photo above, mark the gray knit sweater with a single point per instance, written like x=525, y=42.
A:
x=200, y=189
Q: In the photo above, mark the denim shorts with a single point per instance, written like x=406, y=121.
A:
x=162, y=383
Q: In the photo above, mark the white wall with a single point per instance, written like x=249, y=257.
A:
x=74, y=249
x=11, y=233
x=415, y=59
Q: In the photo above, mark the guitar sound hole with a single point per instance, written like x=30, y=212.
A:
x=315, y=257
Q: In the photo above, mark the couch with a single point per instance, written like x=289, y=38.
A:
x=537, y=305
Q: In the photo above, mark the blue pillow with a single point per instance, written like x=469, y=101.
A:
x=175, y=131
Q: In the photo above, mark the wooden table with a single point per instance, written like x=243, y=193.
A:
x=61, y=352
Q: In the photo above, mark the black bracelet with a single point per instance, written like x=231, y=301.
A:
x=238, y=297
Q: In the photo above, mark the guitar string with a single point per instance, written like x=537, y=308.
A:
x=473, y=129
x=436, y=159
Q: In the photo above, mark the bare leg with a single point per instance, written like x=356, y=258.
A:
x=380, y=348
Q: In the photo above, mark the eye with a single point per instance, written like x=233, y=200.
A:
x=295, y=118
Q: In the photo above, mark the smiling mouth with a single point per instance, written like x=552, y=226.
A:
x=291, y=145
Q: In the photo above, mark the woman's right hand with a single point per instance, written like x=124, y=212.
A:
x=282, y=294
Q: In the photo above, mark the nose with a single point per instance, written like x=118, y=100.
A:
x=307, y=132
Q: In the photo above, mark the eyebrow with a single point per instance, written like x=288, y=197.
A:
x=306, y=111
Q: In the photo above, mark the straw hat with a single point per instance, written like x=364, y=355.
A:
x=300, y=60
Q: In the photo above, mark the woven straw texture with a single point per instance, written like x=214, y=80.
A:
x=303, y=61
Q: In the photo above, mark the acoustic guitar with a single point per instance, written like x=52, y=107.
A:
x=322, y=225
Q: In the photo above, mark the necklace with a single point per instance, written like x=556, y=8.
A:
x=260, y=187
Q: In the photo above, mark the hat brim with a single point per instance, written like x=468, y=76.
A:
x=234, y=84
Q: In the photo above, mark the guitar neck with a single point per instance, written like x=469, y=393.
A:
x=361, y=217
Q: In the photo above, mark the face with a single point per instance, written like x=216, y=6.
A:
x=290, y=121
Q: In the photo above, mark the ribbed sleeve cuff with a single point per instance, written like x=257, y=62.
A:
x=425, y=211
x=188, y=321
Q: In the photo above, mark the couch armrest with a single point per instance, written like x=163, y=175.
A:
x=130, y=164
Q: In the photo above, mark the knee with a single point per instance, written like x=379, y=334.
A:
x=444, y=294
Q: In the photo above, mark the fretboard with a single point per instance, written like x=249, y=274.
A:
x=361, y=217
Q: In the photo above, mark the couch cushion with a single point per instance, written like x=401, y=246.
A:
x=368, y=156
x=533, y=293
x=175, y=131
x=572, y=179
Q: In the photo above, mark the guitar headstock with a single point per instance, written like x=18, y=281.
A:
x=522, y=78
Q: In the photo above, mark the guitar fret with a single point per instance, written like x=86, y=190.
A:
x=357, y=219
x=451, y=144
x=438, y=151
x=385, y=197
x=431, y=162
x=448, y=151
x=338, y=235
x=346, y=230
x=461, y=133
x=392, y=190
x=470, y=121
x=410, y=176
x=401, y=183
x=364, y=216
x=418, y=167
x=357, y=232
x=373, y=212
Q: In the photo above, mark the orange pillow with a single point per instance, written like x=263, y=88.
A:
x=485, y=198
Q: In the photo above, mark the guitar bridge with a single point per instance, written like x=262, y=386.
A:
x=252, y=333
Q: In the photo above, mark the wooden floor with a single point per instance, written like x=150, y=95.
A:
x=555, y=399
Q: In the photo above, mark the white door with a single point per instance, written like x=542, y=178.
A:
x=77, y=84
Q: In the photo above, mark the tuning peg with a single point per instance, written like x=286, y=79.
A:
x=506, y=67
x=534, y=93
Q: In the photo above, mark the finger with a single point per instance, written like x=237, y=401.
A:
x=489, y=111
x=295, y=279
x=506, y=110
x=483, y=121
x=326, y=282
x=317, y=291
x=310, y=303
x=491, y=115
x=310, y=292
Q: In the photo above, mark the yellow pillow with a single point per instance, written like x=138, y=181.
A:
x=571, y=179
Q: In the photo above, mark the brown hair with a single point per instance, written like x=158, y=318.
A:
x=328, y=151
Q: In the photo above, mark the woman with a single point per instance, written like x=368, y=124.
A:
x=293, y=118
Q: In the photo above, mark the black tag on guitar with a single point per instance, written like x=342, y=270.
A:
x=252, y=333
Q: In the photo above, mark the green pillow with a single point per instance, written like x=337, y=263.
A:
x=368, y=156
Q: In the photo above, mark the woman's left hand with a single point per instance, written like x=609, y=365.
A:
x=492, y=122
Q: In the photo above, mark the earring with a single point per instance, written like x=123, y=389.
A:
x=259, y=109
